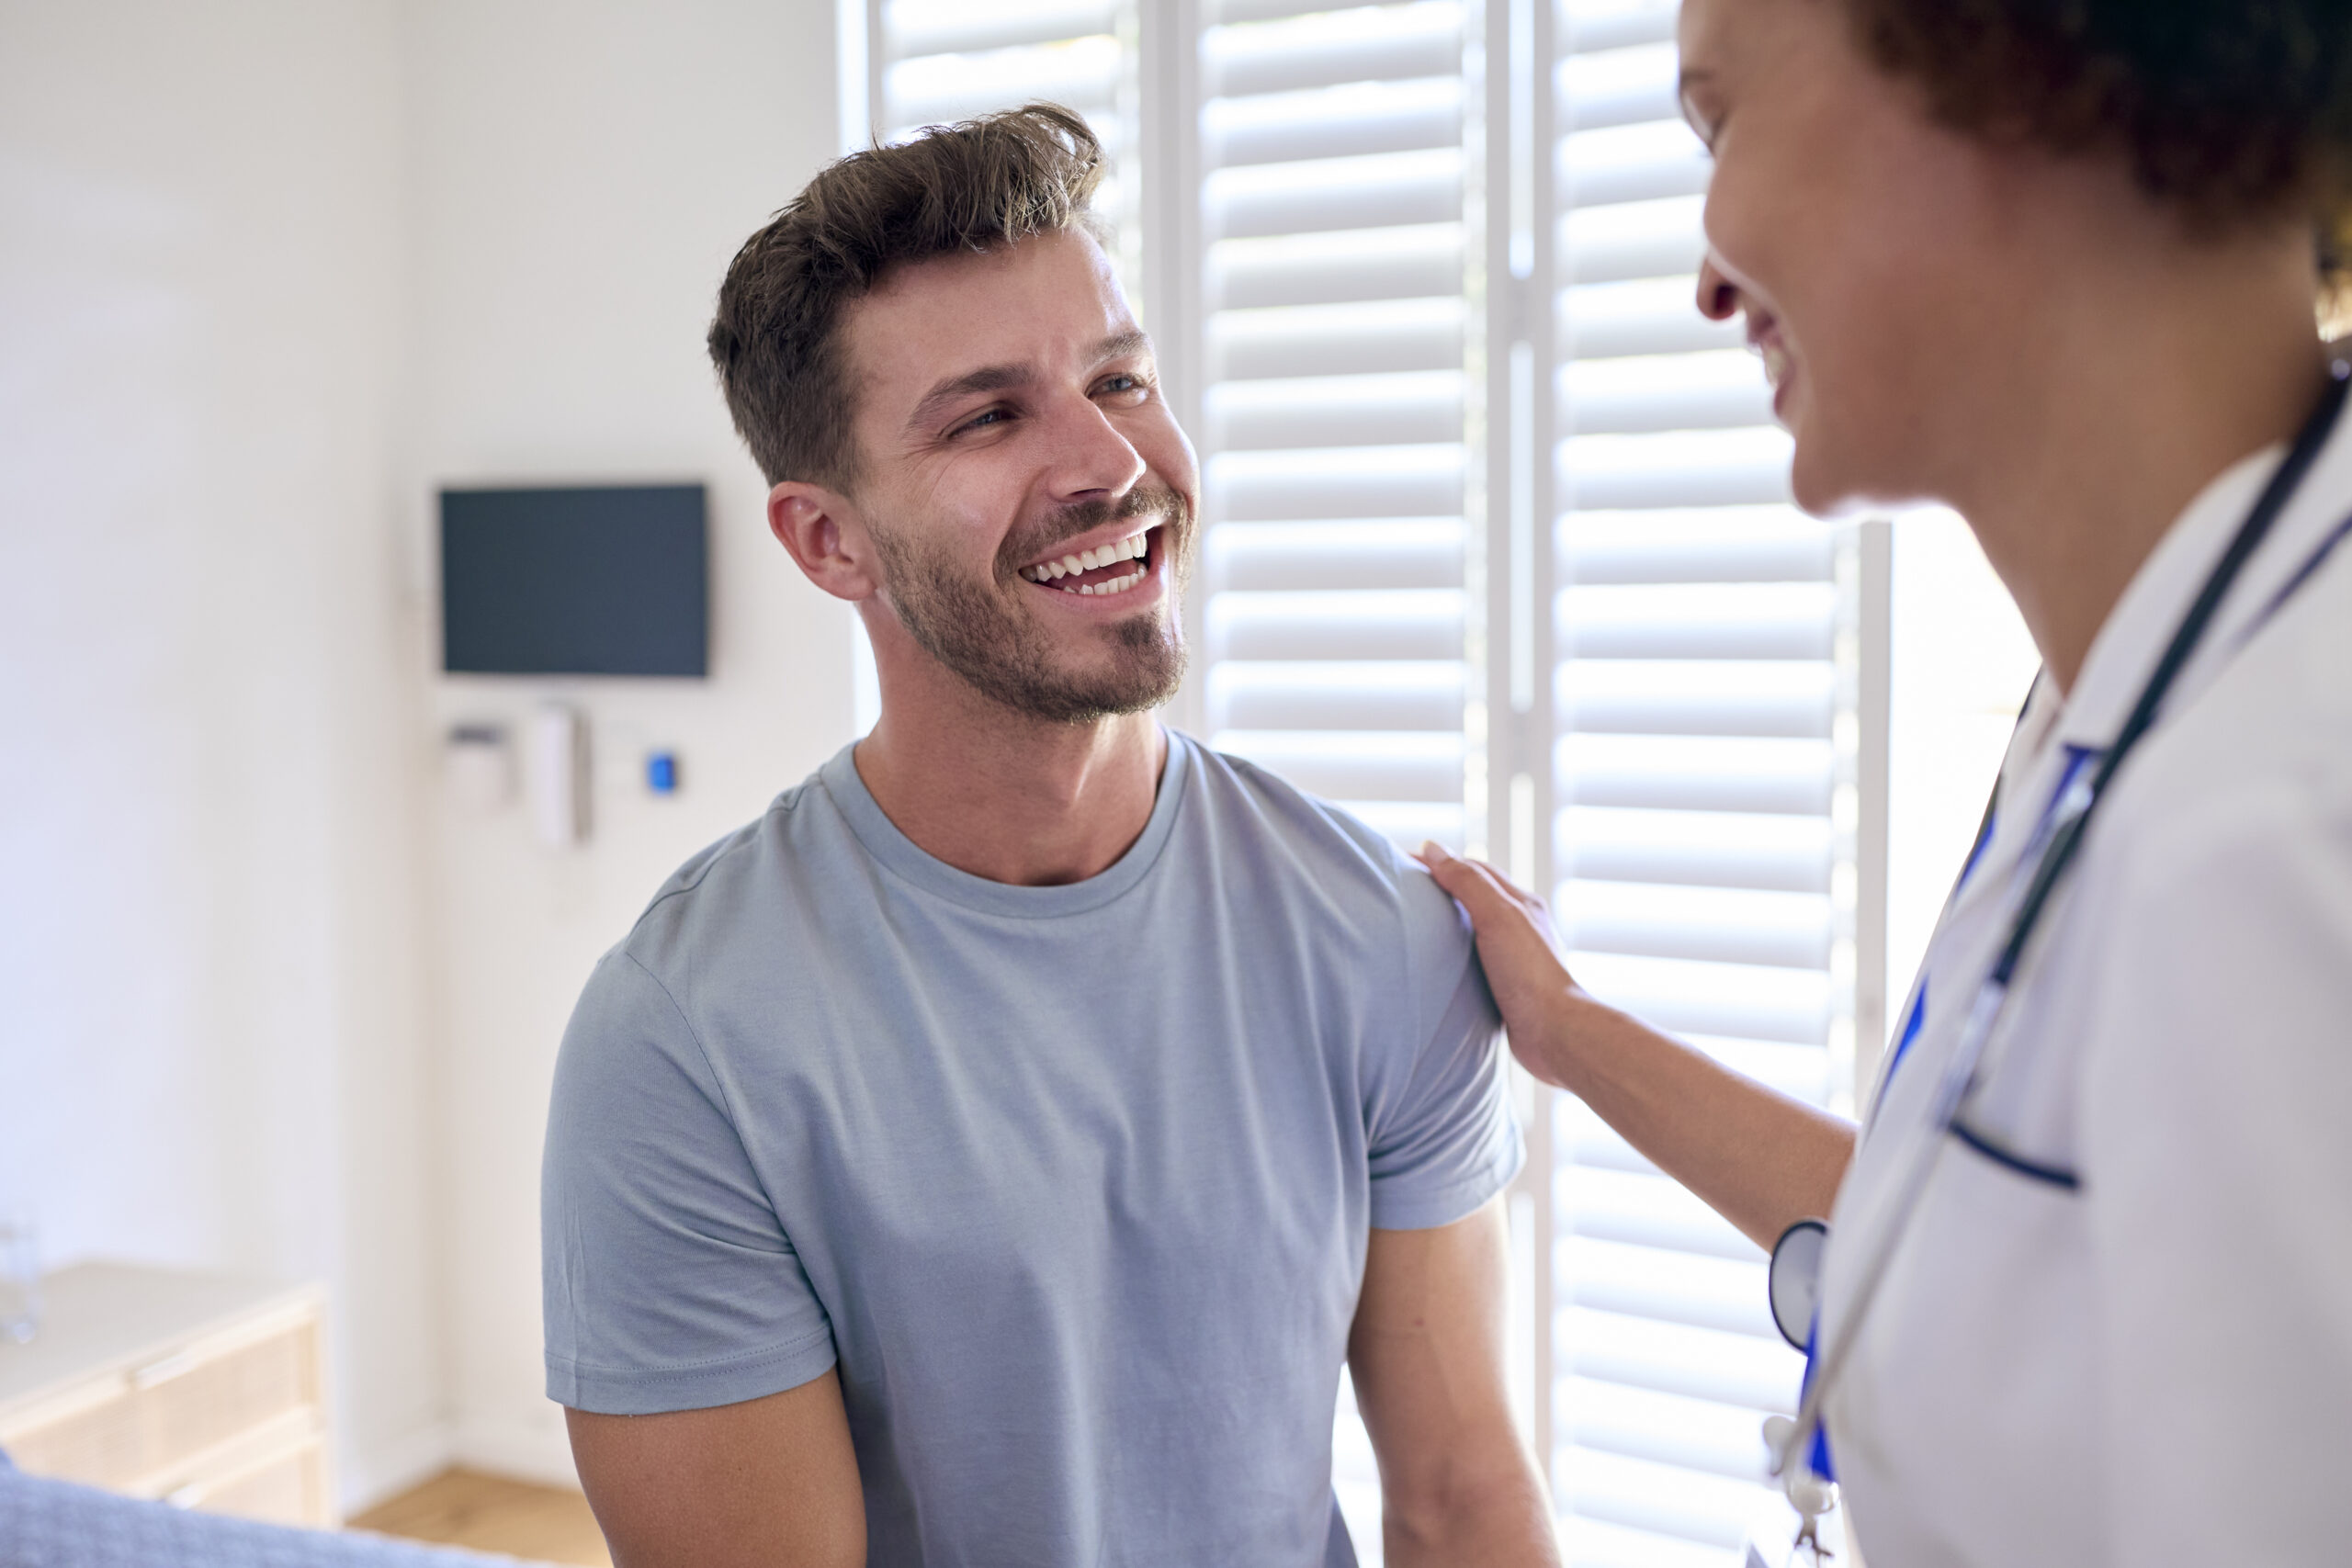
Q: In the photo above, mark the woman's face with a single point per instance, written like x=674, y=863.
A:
x=1861, y=241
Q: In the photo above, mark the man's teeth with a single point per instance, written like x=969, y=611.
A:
x=1132, y=549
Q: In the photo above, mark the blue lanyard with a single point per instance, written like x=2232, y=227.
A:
x=2071, y=781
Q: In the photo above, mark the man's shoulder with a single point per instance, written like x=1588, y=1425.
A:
x=744, y=885
x=1258, y=816
x=1247, y=802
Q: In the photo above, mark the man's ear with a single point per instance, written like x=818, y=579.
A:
x=825, y=539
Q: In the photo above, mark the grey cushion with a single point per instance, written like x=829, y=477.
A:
x=53, y=1524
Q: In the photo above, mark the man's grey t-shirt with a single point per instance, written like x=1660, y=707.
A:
x=1072, y=1184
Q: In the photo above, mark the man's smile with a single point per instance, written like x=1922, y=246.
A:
x=1100, y=570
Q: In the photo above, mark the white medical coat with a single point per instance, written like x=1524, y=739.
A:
x=2154, y=1367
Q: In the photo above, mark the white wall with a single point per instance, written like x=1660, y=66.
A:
x=584, y=171
x=270, y=272
x=212, y=1050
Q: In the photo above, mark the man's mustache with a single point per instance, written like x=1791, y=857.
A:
x=1171, y=506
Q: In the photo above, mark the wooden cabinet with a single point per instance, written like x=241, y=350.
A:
x=207, y=1393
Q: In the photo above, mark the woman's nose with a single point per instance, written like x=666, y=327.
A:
x=1718, y=295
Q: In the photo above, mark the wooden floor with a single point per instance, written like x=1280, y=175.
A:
x=489, y=1513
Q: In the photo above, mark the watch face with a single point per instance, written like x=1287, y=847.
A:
x=1794, y=1283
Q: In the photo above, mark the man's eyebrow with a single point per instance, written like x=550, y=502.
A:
x=996, y=378
x=1121, y=346
x=986, y=379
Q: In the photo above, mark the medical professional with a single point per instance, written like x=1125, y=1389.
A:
x=2087, y=1293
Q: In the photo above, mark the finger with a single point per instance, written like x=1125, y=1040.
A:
x=1513, y=929
x=1453, y=872
x=1486, y=893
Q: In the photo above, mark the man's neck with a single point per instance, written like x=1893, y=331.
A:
x=1013, y=799
x=2146, y=395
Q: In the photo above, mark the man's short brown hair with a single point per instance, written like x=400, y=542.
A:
x=2233, y=111
x=970, y=186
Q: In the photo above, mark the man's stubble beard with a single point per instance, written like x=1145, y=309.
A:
x=984, y=634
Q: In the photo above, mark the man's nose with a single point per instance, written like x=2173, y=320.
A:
x=1718, y=295
x=1091, y=457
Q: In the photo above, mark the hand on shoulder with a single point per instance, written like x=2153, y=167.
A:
x=1520, y=954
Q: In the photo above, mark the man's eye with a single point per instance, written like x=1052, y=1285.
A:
x=981, y=420
x=1124, y=383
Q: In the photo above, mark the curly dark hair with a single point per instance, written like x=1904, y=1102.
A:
x=974, y=185
x=2235, y=111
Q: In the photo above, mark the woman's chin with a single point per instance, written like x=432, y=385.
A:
x=1815, y=479
x=1827, y=484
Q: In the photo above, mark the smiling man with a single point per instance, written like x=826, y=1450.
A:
x=992, y=1154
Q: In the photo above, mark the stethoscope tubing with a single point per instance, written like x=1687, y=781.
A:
x=2057, y=857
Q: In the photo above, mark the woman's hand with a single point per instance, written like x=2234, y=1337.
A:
x=1757, y=1157
x=1520, y=955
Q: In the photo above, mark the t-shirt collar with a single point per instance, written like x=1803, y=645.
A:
x=907, y=860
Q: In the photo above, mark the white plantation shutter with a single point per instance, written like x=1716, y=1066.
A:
x=1698, y=830
x=1330, y=396
x=1498, y=551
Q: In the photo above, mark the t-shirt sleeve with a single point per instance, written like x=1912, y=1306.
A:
x=668, y=1282
x=1441, y=1138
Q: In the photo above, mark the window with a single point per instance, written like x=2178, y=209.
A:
x=1498, y=551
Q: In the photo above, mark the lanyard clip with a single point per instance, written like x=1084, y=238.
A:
x=1812, y=1495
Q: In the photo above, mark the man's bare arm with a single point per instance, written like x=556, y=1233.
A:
x=767, y=1483
x=1755, y=1156
x=1428, y=1357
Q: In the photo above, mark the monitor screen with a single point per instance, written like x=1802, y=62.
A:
x=585, y=581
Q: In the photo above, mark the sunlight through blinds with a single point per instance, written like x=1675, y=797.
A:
x=1697, y=834
x=1332, y=427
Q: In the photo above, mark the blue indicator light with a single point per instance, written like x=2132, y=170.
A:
x=661, y=772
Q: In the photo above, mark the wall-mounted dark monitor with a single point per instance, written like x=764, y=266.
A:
x=610, y=581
